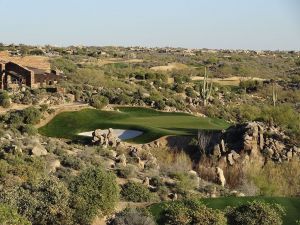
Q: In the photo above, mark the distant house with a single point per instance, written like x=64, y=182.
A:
x=14, y=76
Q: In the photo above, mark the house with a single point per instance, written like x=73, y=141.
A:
x=14, y=76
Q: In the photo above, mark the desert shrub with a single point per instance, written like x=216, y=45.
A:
x=184, y=182
x=10, y=216
x=250, y=85
x=36, y=51
x=94, y=192
x=255, y=213
x=98, y=101
x=43, y=202
x=72, y=162
x=4, y=99
x=123, y=99
x=190, y=92
x=192, y=212
x=276, y=179
x=170, y=161
x=66, y=65
x=160, y=104
x=44, y=107
x=31, y=115
x=179, y=88
x=29, y=129
x=135, y=192
x=132, y=216
x=128, y=171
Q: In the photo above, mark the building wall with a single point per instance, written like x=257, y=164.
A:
x=27, y=74
x=29, y=78
x=2, y=66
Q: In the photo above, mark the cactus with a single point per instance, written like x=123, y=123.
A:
x=274, y=94
x=206, y=89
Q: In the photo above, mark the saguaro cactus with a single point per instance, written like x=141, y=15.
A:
x=206, y=89
x=274, y=94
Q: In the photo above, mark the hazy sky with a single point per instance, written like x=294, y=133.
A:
x=246, y=24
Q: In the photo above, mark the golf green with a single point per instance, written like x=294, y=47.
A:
x=154, y=124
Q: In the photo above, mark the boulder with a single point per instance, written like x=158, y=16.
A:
x=53, y=165
x=222, y=146
x=220, y=175
x=121, y=159
x=146, y=181
x=97, y=133
x=173, y=196
x=230, y=159
x=140, y=163
x=38, y=150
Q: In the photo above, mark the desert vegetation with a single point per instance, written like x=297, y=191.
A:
x=219, y=142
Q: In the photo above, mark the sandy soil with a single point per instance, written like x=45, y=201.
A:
x=40, y=62
x=233, y=81
x=102, y=62
x=121, y=134
x=169, y=67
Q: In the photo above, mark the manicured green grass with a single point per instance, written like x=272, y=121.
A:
x=291, y=205
x=153, y=123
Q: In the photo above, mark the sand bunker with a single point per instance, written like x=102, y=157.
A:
x=121, y=134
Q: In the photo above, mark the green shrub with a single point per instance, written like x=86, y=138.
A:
x=95, y=192
x=72, y=162
x=66, y=65
x=42, y=202
x=192, y=212
x=4, y=99
x=99, y=102
x=31, y=115
x=128, y=171
x=131, y=216
x=184, y=181
x=9, y=216
x=179, y=88
x=29, y=129
x=160, y=104
x=136, y=192
x=255, y=213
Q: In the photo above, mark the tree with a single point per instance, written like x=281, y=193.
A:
x=94, y=192
x=255, y=213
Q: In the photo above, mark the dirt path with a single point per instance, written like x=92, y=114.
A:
x=14, y=106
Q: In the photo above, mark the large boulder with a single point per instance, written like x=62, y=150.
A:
x=220, y=175
x=38, y=150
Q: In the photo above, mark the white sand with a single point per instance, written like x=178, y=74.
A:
x=121, y=134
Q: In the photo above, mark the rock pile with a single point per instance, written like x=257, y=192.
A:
x=105, y=139
x=254, y=141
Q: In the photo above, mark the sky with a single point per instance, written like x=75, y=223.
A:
x=216, y=24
